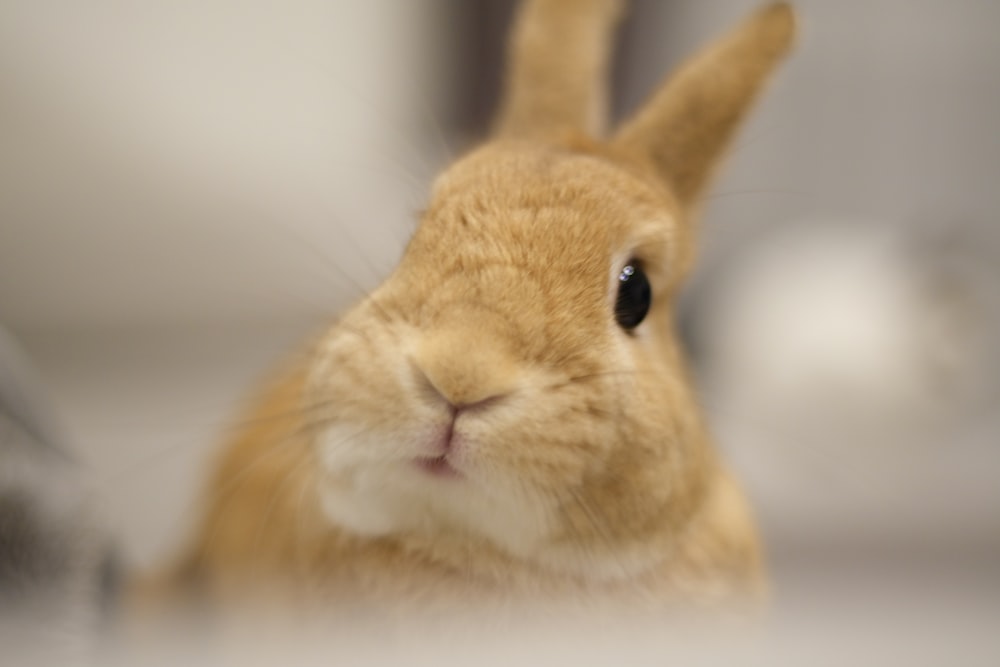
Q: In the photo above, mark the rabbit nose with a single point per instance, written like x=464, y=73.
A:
x=465, y=370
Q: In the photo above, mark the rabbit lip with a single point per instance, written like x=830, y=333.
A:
x=439, y=466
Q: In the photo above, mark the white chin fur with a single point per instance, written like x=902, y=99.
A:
x=376, y=496
x=373, y=497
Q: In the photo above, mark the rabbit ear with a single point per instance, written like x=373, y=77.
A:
x=557, y=69
x=689, y=122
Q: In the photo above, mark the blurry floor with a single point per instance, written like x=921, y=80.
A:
x=910, y=567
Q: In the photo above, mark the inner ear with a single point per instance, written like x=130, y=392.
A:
x=690, y=121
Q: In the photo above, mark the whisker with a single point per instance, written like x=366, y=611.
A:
x=586, y=377
x=152, y=456
x=365, y=294
x=300, y=514
x=223, y=494
x=279, y=489
x=599, y=528
x=378, y=273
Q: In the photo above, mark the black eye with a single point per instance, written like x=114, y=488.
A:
x=634, y=296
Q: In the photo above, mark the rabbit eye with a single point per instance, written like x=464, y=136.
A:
x=634, y=296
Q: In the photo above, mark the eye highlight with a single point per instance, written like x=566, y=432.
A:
x=634, y=296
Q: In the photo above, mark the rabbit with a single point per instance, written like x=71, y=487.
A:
x=509, y=415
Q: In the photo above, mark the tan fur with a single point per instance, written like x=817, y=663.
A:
x=586, y=468
x=556, y=78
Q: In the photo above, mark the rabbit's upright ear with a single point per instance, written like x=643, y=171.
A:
x=689, y=122
x=557, y=61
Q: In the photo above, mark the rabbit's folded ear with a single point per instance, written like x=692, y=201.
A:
x=556, y=78
x=689, y=122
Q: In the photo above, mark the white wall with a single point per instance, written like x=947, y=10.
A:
x=173, y=163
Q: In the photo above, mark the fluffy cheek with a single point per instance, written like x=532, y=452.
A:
x=362, y=390
x=366, y=447
x=547, y=441
x=660, y=455
x=557, y=432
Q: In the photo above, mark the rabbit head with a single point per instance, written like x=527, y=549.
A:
x=516, y=383
x=512, y=403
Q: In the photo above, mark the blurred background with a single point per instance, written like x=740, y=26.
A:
x=188, y=189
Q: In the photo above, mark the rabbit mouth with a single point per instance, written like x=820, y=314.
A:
x=438, y=466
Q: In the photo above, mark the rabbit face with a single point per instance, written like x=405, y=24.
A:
x=487, y=387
